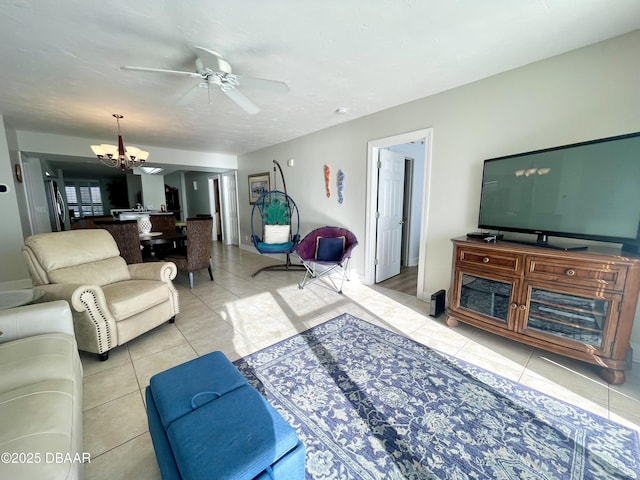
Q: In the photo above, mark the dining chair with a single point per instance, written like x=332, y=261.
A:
x=197, y=253
x=125, y=233
x=163, y=223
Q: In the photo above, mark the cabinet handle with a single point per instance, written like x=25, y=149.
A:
x=485, y=260
x=513, y=306
x=522, y=307
x=571, y=273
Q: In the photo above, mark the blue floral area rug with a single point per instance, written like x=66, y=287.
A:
x=371, y=404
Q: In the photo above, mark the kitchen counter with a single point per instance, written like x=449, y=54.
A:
x=135, y=214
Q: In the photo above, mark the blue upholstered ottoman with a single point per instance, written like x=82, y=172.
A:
x=207, y=422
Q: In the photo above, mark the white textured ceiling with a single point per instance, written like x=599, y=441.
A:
x=60, y=60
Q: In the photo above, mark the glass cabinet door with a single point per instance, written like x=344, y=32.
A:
x=489, y=297
x=567, y=316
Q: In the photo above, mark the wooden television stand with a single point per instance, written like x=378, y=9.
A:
x=580, y=304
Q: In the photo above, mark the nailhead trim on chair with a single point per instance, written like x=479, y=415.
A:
x=96, y=323
x=174, y=299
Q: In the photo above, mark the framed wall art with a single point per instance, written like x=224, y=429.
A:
x=259, y=183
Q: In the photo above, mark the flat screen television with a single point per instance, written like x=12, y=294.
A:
x=588, y=190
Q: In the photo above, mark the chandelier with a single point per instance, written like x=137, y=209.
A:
x=120, y=156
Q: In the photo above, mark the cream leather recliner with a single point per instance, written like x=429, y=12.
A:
x=112, y=302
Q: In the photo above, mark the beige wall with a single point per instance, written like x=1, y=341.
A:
x=37, y=142
x=152, y=191
x=14, y=271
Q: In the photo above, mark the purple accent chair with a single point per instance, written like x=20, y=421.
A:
x=324, y=251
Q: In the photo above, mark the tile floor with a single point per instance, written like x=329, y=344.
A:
x=238, y=315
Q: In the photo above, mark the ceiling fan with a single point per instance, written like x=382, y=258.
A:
x=214, y=71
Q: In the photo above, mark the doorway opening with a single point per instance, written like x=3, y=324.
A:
x=214, y=197
x=383, y=241
x=223, y=207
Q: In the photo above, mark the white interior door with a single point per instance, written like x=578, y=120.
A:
x=230, y=220
x=389, y=214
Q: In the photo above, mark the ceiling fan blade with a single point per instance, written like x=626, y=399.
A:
x=242, y=101
x=271, y=85
x=213, y=69
x=160, y=70
x=189, y=97
x=213, y=59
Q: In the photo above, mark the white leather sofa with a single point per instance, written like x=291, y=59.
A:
x=40, y=394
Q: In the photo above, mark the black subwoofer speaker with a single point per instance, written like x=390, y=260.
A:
x=437, y=303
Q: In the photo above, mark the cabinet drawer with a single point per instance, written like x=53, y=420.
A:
x=490, y=259
x=600, y=275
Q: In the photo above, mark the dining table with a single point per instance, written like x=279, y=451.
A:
x=166, y=240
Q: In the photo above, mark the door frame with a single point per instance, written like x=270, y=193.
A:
x=227, y=219
x=373, y=147
x=407, y=211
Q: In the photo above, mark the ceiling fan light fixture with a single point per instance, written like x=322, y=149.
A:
x=125, y=158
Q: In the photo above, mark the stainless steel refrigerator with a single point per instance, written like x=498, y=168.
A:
x=57, y=207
